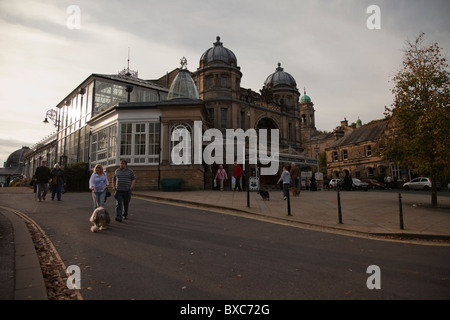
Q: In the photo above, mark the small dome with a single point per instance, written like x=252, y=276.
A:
x=183, y=87
x=305, y=98
x=280, y=78
x=358, y=123
x=218, y=53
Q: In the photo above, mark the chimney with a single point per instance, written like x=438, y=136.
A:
x=338, y=134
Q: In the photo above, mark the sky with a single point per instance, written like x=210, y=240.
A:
x=342, y=53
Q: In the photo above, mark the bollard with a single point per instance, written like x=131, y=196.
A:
x=339, y=206
x=248, y=192
x=288, y=203
x=400, y=210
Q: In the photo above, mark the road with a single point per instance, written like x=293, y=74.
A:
x=170, y=252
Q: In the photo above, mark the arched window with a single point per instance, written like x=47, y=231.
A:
x=304, y=119
x=181, y=144
x=268, y=124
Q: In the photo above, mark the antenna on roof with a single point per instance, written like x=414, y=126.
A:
x=128, y=66
x=126, y=71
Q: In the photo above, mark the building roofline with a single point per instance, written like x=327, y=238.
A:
x=115, y=78
x=365, y=133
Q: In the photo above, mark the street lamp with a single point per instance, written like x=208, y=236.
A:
x=53, y=115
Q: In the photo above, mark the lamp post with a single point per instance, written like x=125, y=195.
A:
x=53, y=116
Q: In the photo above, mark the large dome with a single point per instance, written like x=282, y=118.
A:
x=218, y=53
x=16, y=158
x=280, y=78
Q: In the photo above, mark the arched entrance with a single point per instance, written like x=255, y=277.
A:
x=268, y=124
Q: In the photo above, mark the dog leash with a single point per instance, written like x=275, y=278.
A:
x=95, y=196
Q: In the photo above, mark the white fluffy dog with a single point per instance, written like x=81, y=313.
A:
x=99, y=219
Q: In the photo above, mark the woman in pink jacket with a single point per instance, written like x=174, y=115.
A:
x=221, y=175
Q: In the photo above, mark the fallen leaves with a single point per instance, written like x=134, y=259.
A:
x=53, y=272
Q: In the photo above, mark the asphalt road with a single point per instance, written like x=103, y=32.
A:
x=171, y=252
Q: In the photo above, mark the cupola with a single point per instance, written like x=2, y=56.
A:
x=183, y=87
x=218, y=54
x=280, y=78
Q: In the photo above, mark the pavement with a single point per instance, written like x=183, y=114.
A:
x=371, y=214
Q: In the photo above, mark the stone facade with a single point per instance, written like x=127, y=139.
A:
x=148, y=177
x=357, y=153
x=120, y=113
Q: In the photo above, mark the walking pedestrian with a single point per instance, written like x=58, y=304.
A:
x=123, y=183
x=286, y=179
x=389, y=182
x=313, y=183
x=295, y=176
x=221, y=175
x=58, y=181
x=237, y=174
x=348, y=182
x=98, y=184
x=41, y=178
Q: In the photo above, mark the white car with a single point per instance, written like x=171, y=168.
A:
x=334, y=183
x=359, y=185
x=419, y=183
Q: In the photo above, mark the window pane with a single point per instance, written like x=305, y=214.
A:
x=224, y=118
x=125, y=139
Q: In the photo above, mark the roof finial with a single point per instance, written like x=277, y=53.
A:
x=279, y=67
x=128, y=67
x=183, y=62
x=126, y=71
x=218, y=43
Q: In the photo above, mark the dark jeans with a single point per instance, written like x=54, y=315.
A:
x=122, y=201
x=57, y=189
x=296, y=181
x=237, y=184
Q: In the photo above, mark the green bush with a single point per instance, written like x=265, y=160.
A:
x=77, y=176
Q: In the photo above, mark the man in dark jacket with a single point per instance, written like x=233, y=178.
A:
x=41, y=178
x=58, y=181
x=237, y=174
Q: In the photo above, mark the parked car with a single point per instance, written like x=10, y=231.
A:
x=334, y=183
x=419, y=183
x=359, y=185
x=374, y=184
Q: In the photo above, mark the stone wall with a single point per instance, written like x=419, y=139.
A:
x=147, y=177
